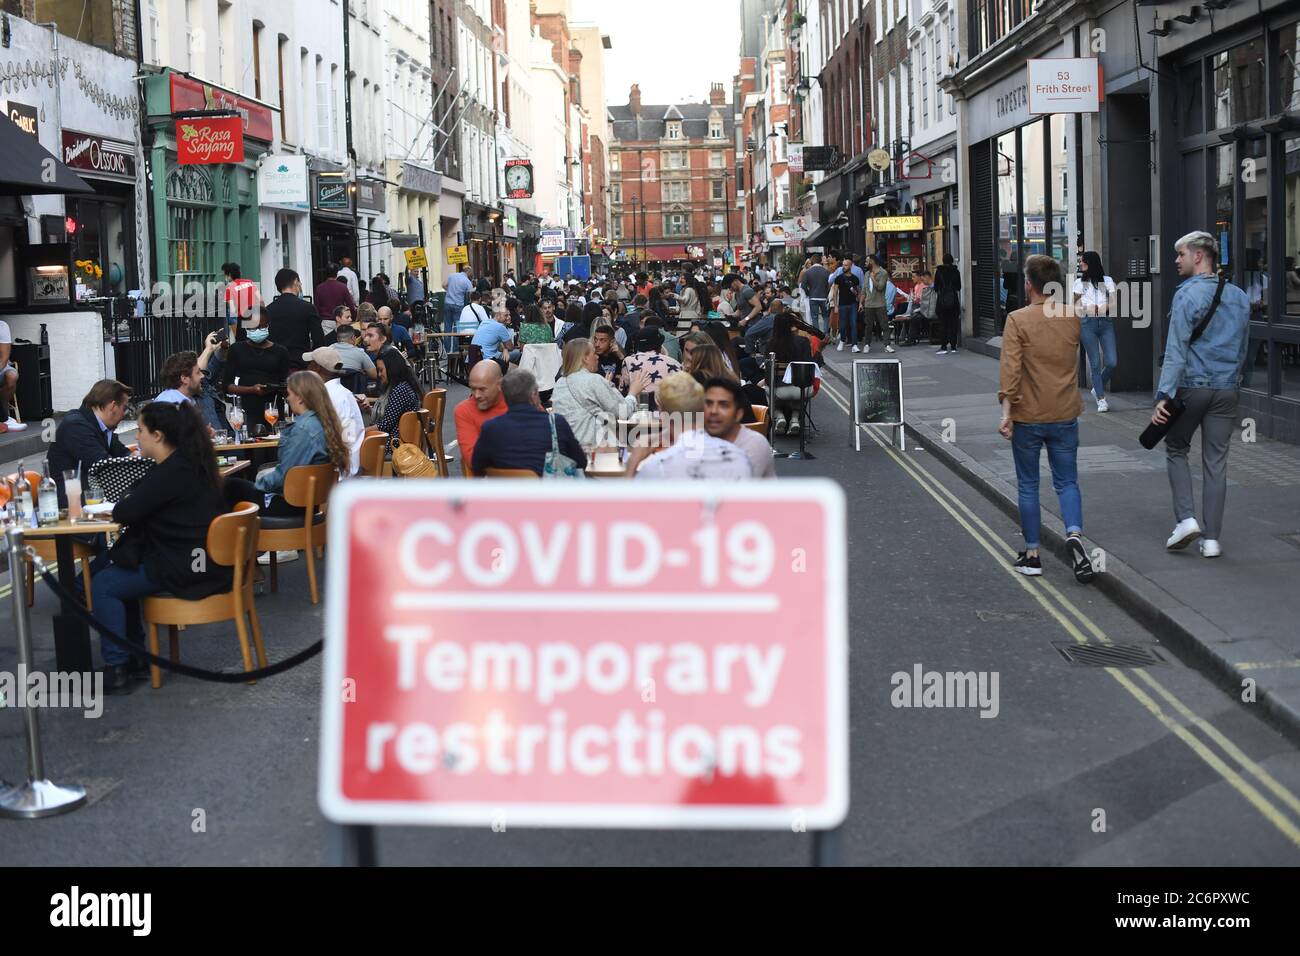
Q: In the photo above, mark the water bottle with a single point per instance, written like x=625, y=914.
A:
x=24, y=506
x=48, y=499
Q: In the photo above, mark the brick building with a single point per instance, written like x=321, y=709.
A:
x=671, y=177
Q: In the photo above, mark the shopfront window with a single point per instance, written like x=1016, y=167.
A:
x=1255, y=219
x=1290, y=198
x=1238, y=84
x=1224, y=183
x=1008, y=223
x=1286, y=54
x=1033, y=188
x=1191, y=105
x=1058, y=156
x=1255, y=373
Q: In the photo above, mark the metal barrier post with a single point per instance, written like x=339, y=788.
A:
x=38, y=797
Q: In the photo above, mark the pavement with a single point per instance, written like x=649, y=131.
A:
x=1084, y=766
x=1235, y=614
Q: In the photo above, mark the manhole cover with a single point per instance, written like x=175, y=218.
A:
x=1110, y=655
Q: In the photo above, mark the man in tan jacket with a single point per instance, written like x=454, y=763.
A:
x=1041, y=406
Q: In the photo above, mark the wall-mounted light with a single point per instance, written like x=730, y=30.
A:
x=1190, y=17
x=1162, y=28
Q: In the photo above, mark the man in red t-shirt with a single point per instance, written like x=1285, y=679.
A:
x=241, y=294
x=485, y=402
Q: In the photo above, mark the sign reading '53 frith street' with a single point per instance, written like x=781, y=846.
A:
x=219, y=139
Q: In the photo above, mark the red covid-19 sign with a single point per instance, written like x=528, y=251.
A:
x=658, y=655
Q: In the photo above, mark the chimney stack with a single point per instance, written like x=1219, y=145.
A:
x=634, y=99
x=717, y=95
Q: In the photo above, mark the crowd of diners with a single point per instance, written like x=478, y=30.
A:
x=560, y=370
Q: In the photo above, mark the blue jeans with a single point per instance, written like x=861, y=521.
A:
x=1098, y=335
x=818, y=313
x=849, y=323
x=450, y=315
x=116, y=592
x=1062, y=441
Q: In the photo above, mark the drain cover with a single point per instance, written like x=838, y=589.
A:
x=1110, y=655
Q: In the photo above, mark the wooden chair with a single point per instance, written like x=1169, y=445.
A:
x=409, y=430
x=372, y=453
x=435, y=403
x=512, y=473
x=232, y=542
x=46, y=547
x=306, y=487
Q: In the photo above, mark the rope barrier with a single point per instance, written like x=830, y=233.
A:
x=70, y=600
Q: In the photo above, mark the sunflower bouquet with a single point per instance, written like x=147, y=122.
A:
x=89, y=268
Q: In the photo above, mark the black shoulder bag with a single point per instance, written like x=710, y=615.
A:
x=1153, y=434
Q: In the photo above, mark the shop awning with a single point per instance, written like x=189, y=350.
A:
x=29, y=169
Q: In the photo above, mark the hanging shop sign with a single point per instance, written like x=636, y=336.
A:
x=794, y=157
x=1064, y=85
x=189, y=95
x=332, y=193
x=217, y=139
x=510, y=223
x=25, y=117
x=282, y=181
x=552, y=241
x=370, y=195
x=88, y=153
x=798, y=228
x=519, y=178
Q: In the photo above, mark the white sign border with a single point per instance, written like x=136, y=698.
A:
x=830, y=813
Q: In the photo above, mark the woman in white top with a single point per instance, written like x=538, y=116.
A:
x=1094, y=303
x=589, y=402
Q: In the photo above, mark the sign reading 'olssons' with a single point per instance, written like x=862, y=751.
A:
x=89, y=153
x=216, y=139
x=660, y=656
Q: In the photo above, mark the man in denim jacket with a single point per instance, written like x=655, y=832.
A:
x=1205, y=376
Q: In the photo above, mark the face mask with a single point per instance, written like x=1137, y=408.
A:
x=258, y=336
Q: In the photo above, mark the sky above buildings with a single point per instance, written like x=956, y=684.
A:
x=674, y=48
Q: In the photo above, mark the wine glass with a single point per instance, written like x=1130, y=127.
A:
x=236, y=418
x=272, y=415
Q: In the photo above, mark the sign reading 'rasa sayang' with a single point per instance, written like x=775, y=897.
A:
x=218, y=139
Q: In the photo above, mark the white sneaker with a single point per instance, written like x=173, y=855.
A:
x=856, y=349
x=890, y=348
x=840, y=346
x=15, y=426
x=1103, y=405
x=867, y=347
x=1187, y=531
x=280, y=557
x=942, y=351
x=1210, y=548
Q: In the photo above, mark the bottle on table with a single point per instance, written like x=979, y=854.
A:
x=48, y=498
x=24, y=506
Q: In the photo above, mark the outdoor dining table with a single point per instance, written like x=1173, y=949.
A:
x=71, y=635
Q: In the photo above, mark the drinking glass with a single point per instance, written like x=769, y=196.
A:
x=94, y=492
x=272, y=415
x=236, y=418
x=72, y=486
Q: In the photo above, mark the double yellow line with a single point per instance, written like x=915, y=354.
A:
x=1075, y=623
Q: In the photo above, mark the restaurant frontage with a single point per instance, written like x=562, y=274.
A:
x=205, y=214
x=68, y=244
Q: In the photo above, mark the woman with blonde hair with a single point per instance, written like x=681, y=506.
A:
x=706, y=362
x=314, y=437
x=588, y=402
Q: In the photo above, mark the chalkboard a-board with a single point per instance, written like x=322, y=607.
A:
x=877, y=392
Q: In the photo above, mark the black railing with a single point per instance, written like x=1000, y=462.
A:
x=141, y=341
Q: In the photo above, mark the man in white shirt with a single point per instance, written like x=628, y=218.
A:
x=724, y=414
x=327, y=363
x=347, y=275
x=694, y=453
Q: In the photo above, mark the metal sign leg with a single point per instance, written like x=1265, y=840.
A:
x=351, y=845
x=827, y=846
x=37, y=797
